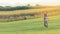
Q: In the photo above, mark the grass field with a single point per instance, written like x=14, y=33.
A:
x=31, y=26
x=29, y=11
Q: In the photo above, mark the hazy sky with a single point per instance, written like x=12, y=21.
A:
x=25, y=2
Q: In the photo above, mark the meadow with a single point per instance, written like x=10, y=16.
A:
x=33, y=26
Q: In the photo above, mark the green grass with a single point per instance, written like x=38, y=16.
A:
x=31, y=26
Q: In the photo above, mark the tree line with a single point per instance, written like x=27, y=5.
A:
x=9, y=8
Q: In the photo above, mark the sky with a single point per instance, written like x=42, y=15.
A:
x=31, y=2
